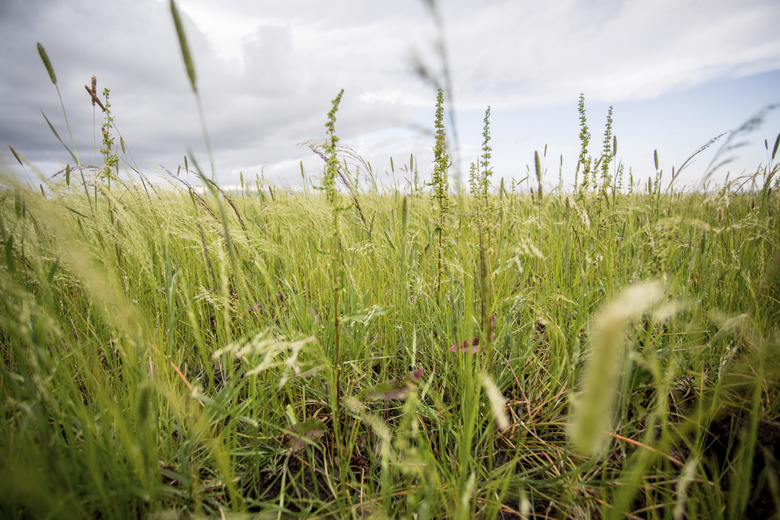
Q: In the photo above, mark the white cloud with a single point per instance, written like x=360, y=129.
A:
x=613, y=50
x=267, y=70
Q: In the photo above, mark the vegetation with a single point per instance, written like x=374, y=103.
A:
x=177, y=352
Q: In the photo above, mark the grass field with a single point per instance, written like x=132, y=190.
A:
x=408, y=352
x=165, y=351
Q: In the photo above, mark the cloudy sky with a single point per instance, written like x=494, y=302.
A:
x=678, y=73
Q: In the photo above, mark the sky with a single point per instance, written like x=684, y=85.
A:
x=676, y=72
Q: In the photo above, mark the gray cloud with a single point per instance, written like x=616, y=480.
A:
x=268, y=70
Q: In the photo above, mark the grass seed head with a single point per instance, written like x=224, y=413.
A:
x=593, y=405
x=16, y=155
x=185, y=48
x=497, y=402
x=47, y=64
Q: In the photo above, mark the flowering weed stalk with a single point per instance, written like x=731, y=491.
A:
x=441, y=186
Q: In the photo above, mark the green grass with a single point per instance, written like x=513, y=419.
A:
x=170, y=352
x=115, y=404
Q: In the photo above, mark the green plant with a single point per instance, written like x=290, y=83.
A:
x=607, y=154
x=538, y=172
x=485, y=227
x=329, y=184
x=72, y=150
x=585, y=160
x=441, y=186
x=110, y=168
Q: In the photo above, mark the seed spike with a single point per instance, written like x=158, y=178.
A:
x=16, y=155
x=93, y=91
x=47, y=63
x=185, y=49
x=537, y=166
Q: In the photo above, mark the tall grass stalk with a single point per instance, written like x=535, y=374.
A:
x=189, y=65
x=72, y=151
x=441, y=186
x=329, y=183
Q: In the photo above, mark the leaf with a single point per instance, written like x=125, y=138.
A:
x=306, y=434
x=394, y=390
x=51, y=127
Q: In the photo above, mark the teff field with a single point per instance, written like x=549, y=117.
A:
x=359, y=351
